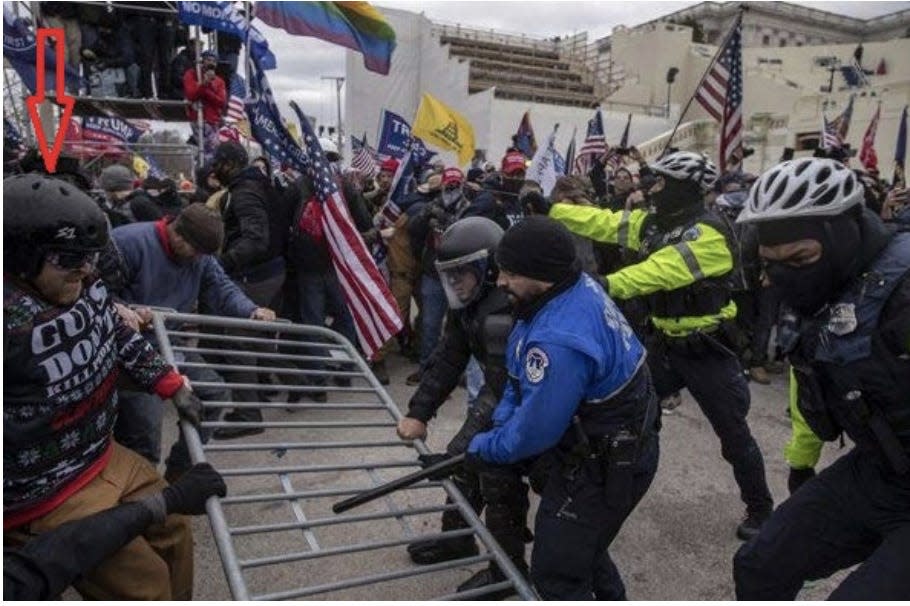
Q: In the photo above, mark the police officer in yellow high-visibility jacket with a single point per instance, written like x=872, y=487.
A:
x=684, y=260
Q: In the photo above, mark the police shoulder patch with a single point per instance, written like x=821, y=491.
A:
x=536, y=362
x=691, y=234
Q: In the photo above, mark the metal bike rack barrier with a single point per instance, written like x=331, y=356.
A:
x=275, y=530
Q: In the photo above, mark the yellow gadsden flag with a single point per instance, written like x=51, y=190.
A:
x=442, y=126
x=140, y=166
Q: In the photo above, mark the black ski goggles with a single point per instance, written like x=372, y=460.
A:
x=72, y=259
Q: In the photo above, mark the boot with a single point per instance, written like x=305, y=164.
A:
x=380, y=371
x=491, y=576
x=776, y=367
x=751, y=524
x=413, y=379
x=442, y=550
x=239, y=416
x=759, y=375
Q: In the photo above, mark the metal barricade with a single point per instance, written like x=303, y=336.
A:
x=275, y=530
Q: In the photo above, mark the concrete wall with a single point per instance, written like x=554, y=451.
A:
x=420, y=65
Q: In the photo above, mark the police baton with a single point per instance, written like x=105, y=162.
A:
x=412, y=478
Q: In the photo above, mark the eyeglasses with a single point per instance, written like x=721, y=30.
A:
x=69, y=260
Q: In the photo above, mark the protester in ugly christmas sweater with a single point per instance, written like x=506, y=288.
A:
x=64, y=348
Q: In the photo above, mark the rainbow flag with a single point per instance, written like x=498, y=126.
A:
x=354, y=25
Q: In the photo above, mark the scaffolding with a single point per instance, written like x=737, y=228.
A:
x=276, y=532
x=154, y=108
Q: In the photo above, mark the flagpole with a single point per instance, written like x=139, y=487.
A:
x=246, y=59
x=200, y=124
x=720, y=49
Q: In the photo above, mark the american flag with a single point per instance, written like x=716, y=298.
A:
x=376, y=315
x=841, y=124
x=594, y=145
x=721, y=94
x=235, y=120
x=364, y=158
x=235, y=109
x=830, y=137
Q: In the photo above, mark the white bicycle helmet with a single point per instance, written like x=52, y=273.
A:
x=687, y=166
x=809, y=187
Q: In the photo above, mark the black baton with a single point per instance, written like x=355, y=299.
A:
x=412, y=478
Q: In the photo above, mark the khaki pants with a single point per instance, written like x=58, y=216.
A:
x=402, y=287
x=157, y=565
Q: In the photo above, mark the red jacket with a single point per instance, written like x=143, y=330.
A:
x=213, y=96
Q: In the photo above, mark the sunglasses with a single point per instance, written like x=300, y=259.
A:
x=69, y=260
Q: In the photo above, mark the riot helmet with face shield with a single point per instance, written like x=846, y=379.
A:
x=464, y=260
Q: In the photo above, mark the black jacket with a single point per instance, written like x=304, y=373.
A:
x=425, y=228
x=304, y=253
x=49, y=563
x=248, y=241
x=143, y=206
x=480, y=330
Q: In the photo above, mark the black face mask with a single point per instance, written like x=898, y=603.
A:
x=676, y=203
x=806, y=288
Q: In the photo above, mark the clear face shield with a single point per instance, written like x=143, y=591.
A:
x=462, y=278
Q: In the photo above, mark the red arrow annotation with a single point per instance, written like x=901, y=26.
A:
x=50, y=155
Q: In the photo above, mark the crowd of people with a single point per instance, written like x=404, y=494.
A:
x=574, y=320
x=136, y=50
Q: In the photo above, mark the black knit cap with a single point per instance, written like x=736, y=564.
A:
x=202, y=227
x=231, y=151
x=539, y=248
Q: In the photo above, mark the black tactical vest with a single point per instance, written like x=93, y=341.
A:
x=849, y=379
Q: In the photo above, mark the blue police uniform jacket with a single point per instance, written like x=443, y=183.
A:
x=578, y=348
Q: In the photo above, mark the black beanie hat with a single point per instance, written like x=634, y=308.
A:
x=539, y=248
x=202, y=227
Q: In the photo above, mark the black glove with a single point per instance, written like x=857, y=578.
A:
x=428, y=460
x=798, y=477
x=188, y=494
x=189, y=406
x=473, y=462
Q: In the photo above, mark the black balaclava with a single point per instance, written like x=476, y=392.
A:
x=809, y=288
x=677, y=203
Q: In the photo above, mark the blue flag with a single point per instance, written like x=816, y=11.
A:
x=19, y=48
x=394, y=135
x=420, y=154
x=266, y=124
x=524, y=138
x=224, y=17
x=110, y=129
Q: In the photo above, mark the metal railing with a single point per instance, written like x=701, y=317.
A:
x=275, y=530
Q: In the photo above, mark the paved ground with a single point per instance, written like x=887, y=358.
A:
x=677, y=545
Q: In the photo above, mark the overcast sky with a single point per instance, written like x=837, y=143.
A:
x=303, y=61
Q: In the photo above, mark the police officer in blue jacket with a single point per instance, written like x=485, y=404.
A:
x=579, y=389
